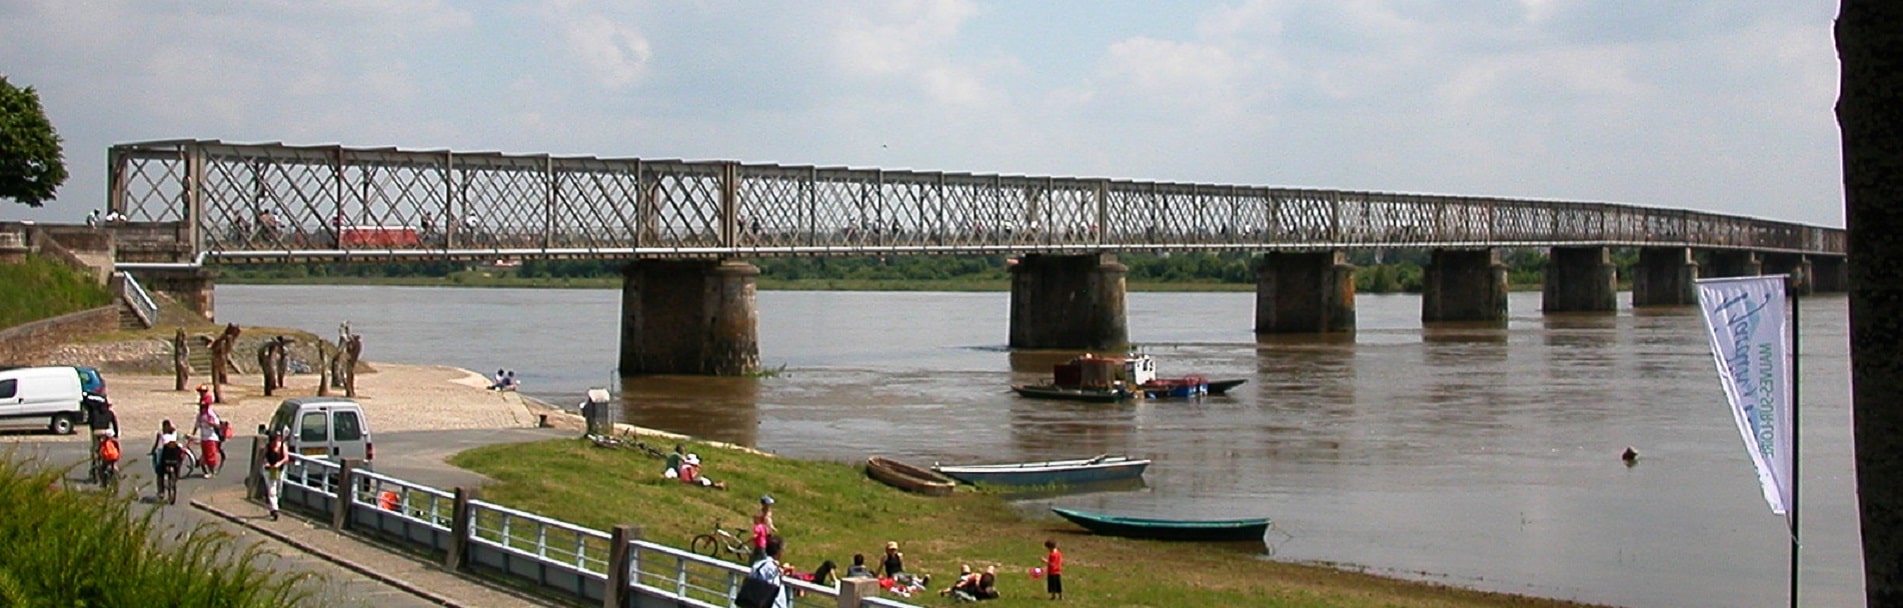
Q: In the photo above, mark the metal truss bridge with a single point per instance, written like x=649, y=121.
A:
x=220, y=202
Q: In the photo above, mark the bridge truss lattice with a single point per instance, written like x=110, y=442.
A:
x=269, y=201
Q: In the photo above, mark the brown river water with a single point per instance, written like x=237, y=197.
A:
x=1479, y=457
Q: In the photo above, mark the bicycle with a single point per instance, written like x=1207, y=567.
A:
x=194, y=465
x=101, y=471
x=168, y=483
x=719, y=541
x=104, y=474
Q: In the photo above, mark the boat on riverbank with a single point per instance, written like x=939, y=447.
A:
x=1050, y=472
x=1167, y=529
x=910, y=478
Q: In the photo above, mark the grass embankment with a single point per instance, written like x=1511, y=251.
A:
x=69, y=547
x=831, y=511
x=41, y=288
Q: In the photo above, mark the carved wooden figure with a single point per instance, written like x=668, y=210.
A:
x=181, y=365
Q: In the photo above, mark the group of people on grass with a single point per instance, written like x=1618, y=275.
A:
x=767, y=545
x=970, y=586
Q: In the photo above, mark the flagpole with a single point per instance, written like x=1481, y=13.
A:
x=1796, y=434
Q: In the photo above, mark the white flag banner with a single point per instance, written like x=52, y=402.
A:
x=1750, y=339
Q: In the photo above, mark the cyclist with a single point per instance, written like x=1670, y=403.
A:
x=167, y=434
x=170, y=460
x=100, y=417
x=209, y=432
x=108, y=458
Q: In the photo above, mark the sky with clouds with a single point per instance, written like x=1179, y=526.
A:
x=1713, y=105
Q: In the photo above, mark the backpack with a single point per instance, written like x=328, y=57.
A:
x=755, y=590
x=109, y=450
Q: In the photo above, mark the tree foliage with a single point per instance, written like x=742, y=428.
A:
x=32, y=166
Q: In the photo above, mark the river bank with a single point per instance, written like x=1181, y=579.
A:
x=829, y=511
x=839, y=511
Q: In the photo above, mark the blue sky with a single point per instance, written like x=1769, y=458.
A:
x=1721, y=106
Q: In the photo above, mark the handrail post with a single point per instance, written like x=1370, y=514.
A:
x=620, y=563
x=459, y=529
x=340, y=508
x=254, y=474
x=854, y=589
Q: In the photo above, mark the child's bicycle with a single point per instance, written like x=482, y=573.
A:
x=721, y=541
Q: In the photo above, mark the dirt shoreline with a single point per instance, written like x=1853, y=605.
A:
x=397, y=397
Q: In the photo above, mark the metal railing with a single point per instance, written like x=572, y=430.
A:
x=135, y=295
x=552, y=557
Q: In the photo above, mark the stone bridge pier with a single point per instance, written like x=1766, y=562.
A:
x=1733, y=263
x=689, y=317
x=1665, y=276
x=1304, y=293
x=1580, y=279
x=1830, y=274
x=1068, y=302
x=1464, y=285
x=1800, y=272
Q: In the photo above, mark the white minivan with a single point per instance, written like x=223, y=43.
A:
x=51, y=394
x=324, y=427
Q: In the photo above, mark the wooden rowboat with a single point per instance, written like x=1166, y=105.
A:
x=1051, y=472
x=909, y=478
x=1167, y=529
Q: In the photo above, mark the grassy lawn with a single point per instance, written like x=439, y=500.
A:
x=829, y=510
x=41, y=288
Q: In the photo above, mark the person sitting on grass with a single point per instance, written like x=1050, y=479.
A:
x=673, y=470
x=822, y=576
x=858, y=568
x=963, y=587
x=987, y=584
x=690, y=474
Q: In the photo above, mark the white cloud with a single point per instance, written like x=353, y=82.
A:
x=1699, y=104
x=613, y=51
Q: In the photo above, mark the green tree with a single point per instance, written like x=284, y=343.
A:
x=31, y=164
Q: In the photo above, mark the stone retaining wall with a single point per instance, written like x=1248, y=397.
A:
x=23, y=343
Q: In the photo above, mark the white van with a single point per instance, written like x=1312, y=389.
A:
x=324, y=427
x=52, y=394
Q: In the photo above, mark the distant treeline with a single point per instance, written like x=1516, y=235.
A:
x=1378, y=271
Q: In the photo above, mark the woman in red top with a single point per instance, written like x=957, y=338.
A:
x=1054, y=570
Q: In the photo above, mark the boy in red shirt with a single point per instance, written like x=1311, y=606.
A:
x=1054, y=570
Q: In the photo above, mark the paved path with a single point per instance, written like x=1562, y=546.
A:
x=352, y=572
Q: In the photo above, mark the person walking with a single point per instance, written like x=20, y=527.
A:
x=1054, y=570
x=276, y=457
x=209, y=433
x=765, y=586
x=763, y=529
